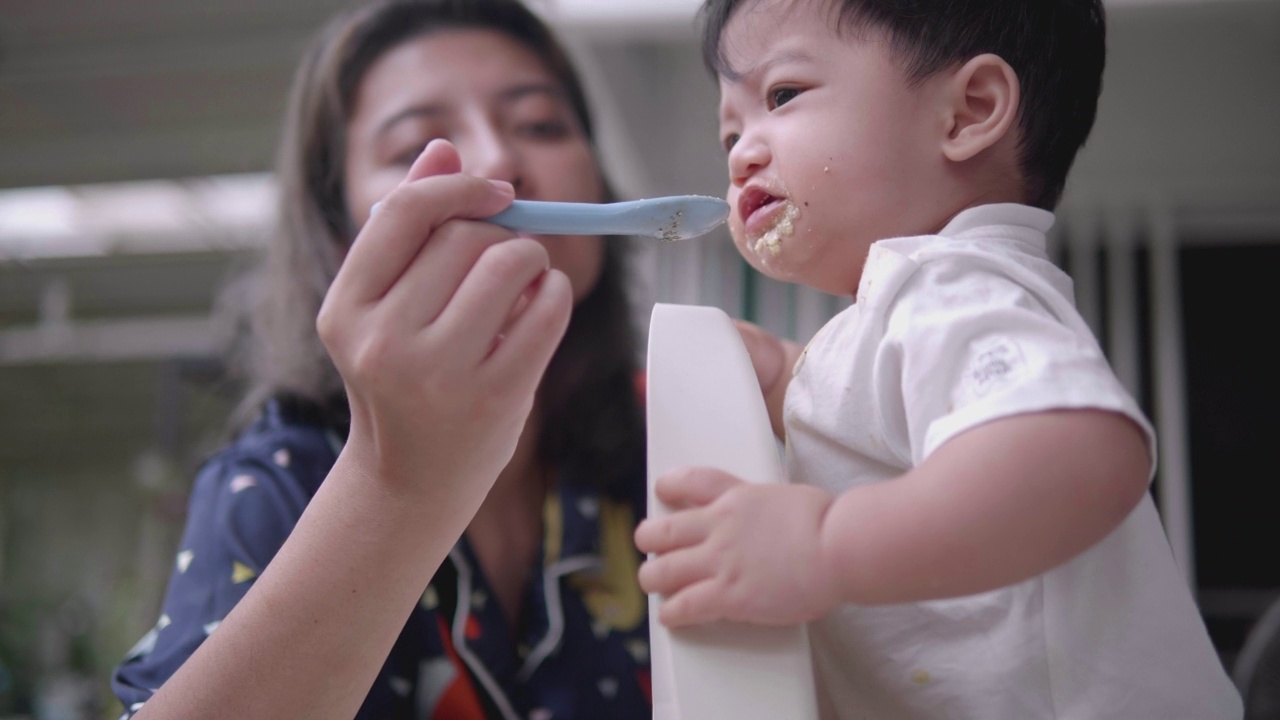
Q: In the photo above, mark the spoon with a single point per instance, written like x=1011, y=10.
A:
x=679, y=217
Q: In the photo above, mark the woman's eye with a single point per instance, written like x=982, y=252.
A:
x=781, y=96
x=410, y=153
x=545, y=130
x=407, y=158
x=729, y=141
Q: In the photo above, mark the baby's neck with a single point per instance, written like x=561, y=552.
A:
x=975, y=196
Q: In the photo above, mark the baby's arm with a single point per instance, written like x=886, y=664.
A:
x=772, y=357
x=995, y=505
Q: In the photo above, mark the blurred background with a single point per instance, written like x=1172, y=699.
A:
x=136, y=138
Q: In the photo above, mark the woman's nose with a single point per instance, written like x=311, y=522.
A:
x=491, y=155
x=746, y=157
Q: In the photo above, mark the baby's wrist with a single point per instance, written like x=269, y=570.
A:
x=828, y=593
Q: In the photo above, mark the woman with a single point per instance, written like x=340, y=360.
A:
x=444, y=487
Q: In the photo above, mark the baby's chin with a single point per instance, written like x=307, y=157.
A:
x=783, y=266
x=772, y=250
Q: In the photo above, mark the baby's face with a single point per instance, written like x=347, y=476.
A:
x=829, y=149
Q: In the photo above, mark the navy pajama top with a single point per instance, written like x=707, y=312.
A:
x=584, y=650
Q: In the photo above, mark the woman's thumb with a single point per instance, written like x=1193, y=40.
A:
x=439, y=157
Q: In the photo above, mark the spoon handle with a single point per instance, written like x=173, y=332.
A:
x=677, y=217
x=566, y=218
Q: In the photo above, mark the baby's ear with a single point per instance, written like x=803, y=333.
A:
x=982, y=106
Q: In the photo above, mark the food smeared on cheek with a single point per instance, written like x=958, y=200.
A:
x=782, y=227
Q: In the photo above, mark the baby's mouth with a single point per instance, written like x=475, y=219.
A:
x=754, y=207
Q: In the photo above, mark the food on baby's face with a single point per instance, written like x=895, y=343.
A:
x=783, y=226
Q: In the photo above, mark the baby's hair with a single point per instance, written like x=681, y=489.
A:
x=1056, y=47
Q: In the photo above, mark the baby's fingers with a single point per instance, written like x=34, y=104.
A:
x=766, y=353
x=671, y=532
x=693, y=487
x=696, y=604
x=669, y=574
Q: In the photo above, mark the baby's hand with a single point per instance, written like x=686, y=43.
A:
x=772, y=358
x=768, y=355
x=732, y=550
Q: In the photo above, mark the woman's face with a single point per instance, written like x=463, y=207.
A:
x=493, y=98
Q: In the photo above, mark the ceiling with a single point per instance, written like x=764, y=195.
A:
x=101, y=91
x=127, y=89
x=104, y=91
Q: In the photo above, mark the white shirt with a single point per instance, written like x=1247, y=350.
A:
x=950, y=331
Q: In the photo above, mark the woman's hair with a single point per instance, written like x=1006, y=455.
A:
x=587, y=399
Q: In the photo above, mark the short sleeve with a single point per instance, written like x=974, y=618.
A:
x=971, y=341
x=242, y=508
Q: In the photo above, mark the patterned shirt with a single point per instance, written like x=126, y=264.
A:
x=583, y=651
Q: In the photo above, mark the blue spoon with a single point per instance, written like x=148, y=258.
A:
x=670, y=218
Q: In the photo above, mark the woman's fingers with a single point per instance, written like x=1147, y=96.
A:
x=481, y=306
x=439, y=157
x=434, y=276
x=400, y=251
x=529, y=339
x=405, y=221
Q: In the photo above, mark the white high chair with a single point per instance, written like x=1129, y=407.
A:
x=705, y=409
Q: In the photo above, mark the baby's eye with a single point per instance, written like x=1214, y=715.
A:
x=781, y=96
x=730, y=140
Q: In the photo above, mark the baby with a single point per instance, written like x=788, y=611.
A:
x=967, y=525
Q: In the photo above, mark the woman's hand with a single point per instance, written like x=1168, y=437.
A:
x=441, y=327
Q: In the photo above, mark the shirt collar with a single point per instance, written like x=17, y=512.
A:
x=999, y=214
